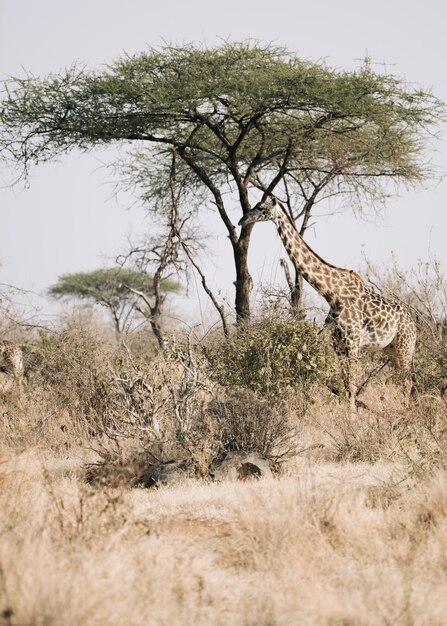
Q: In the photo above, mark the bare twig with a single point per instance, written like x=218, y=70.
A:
x=371, y=375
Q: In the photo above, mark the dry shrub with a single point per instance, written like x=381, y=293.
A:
x=412, y=435
x=366, y=439
x=80, y=386
x=86, y=391
x=170, y=409
x=35, y=421
x=426, y=446
x=74, y=363
x=430, y=362
x=122, y=462
x=245, y=421
x=156, y=412
x=67, y=393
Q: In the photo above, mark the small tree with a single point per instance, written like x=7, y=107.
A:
x=173, y=251
x=113, y=288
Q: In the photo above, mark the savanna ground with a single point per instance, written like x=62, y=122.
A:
x=351, y=530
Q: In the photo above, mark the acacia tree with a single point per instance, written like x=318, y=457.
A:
x=114, y=288
x=239, y=117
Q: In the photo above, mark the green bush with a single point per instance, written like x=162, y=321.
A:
x=271, y=356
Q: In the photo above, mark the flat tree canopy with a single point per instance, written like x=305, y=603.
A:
x=110, y=288
x=227, y=121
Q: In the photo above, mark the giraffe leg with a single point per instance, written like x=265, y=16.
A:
x=401, y=352
x=19, y=382
x=352, y=378
x=347, y=345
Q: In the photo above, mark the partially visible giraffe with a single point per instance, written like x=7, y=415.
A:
x=11, y=360
x=358, y=315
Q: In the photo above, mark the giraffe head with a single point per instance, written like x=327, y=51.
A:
x=268, y=209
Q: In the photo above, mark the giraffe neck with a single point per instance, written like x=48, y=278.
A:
x=324, y=277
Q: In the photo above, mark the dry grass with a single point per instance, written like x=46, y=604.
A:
x=313, y=548
x=353, y=531
x=336, y=540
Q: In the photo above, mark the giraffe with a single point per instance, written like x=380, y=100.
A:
x=11, y=360
x=358, y=316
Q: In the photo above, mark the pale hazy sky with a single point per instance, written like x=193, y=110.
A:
x=67, y=220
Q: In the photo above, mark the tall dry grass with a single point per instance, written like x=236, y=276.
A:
x=319, y=547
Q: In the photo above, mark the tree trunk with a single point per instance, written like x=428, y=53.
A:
x=295, y=290
x=243, y=281
x=296, y=297
x=156, y=329
x=117, y=324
